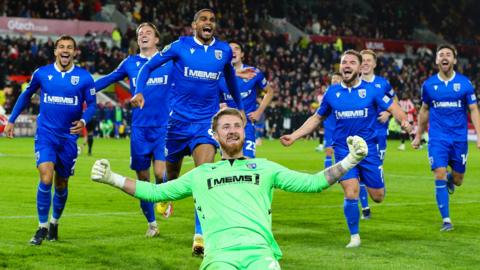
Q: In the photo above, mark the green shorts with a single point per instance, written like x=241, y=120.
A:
x=241, y=259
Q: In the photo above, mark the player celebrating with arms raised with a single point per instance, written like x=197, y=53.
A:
x=354, y=104
x=199, y=62
x=446, y=96
x=237, y=237
x=64, y=89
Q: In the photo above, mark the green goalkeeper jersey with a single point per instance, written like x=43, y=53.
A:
x=233, y=200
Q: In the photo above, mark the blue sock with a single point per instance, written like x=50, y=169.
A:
x=147, y=208
x=198, y=228
x=59, y=201
x=352, y=214
x=44, y=199
x=442, y=198
x=328, y=161
x=363, y=196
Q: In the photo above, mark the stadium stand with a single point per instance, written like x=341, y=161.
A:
x=300, y=67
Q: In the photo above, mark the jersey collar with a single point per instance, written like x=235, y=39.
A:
x=449, y=79
x=59, y=70
x=350, y=88
x=233, y=160
x=145, y=57
x=373, y=79
x=201, y=44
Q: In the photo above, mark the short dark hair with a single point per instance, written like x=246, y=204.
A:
x=226, y=111
x=353, y=52
x=157, y=34
x=66, y=37
x=197, y=14
x=237, y=43
x=447, y=46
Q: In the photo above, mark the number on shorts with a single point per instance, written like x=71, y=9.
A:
x=464, y=159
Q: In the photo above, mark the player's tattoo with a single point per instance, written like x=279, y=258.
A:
x=334, y=173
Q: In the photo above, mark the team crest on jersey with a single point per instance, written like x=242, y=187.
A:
x=456, y=87
x=218, y=54
x=435, y=87
x=192, y=50
x=338, y=94
x=138, y=63
x=252, y=166
x=50, y=77
x=362, y=93
x=74, y=80
x=378, y=85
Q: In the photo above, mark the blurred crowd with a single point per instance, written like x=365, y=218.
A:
x=299, y=70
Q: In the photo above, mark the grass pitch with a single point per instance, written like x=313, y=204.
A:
x=102, y=228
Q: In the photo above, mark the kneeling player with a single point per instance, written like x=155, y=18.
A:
x=250, y=242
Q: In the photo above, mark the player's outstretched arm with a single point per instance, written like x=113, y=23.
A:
x=358, y=150
x=293, y=181
x=423, y=116
x=400, y=116
x=170, y=191
x=308, y=127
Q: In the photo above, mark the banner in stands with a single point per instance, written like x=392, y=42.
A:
x=389, y=45
x=53, y=27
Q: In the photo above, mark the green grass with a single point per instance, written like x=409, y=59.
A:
x=103, y=228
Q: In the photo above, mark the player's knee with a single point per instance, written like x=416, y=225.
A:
x=351, y=194
x=329, y=151
x=378, y=198
x=458, y=180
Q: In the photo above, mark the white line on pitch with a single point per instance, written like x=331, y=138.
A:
x=102, y=214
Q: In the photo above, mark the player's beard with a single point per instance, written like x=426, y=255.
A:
x=232, y=149
x=352, y=78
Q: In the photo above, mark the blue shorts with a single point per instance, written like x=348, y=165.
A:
x=328, y=137
x=59, y=150
x=369, y=171
x=183, y=137
x=445, y=153
x=382, y=146
x=146, y=144
x=249, y=145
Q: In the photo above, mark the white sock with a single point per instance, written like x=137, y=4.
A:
x=43, y=225
x=447, y=219
x=153, y=224
x=53, y=220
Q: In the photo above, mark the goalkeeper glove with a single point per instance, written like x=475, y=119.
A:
x=358, y=151
x=102, y=173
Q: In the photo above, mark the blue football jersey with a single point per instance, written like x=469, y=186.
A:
x=382, y=85
x=247, y=88
x=157, y=90
x=62, y=95
x=448, y=102
x=355, y=110
x=197, y=70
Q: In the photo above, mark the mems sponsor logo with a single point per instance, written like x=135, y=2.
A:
x=351, y=114
x=234, y=179
x=447, y=104
x=201, y=74
x=72, y=101
x=154, y=81
x=242, y=95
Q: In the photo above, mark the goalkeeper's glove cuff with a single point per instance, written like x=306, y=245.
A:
x=349, y=162
x=117, y=180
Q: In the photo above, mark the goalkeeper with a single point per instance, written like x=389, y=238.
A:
x=233, y=196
